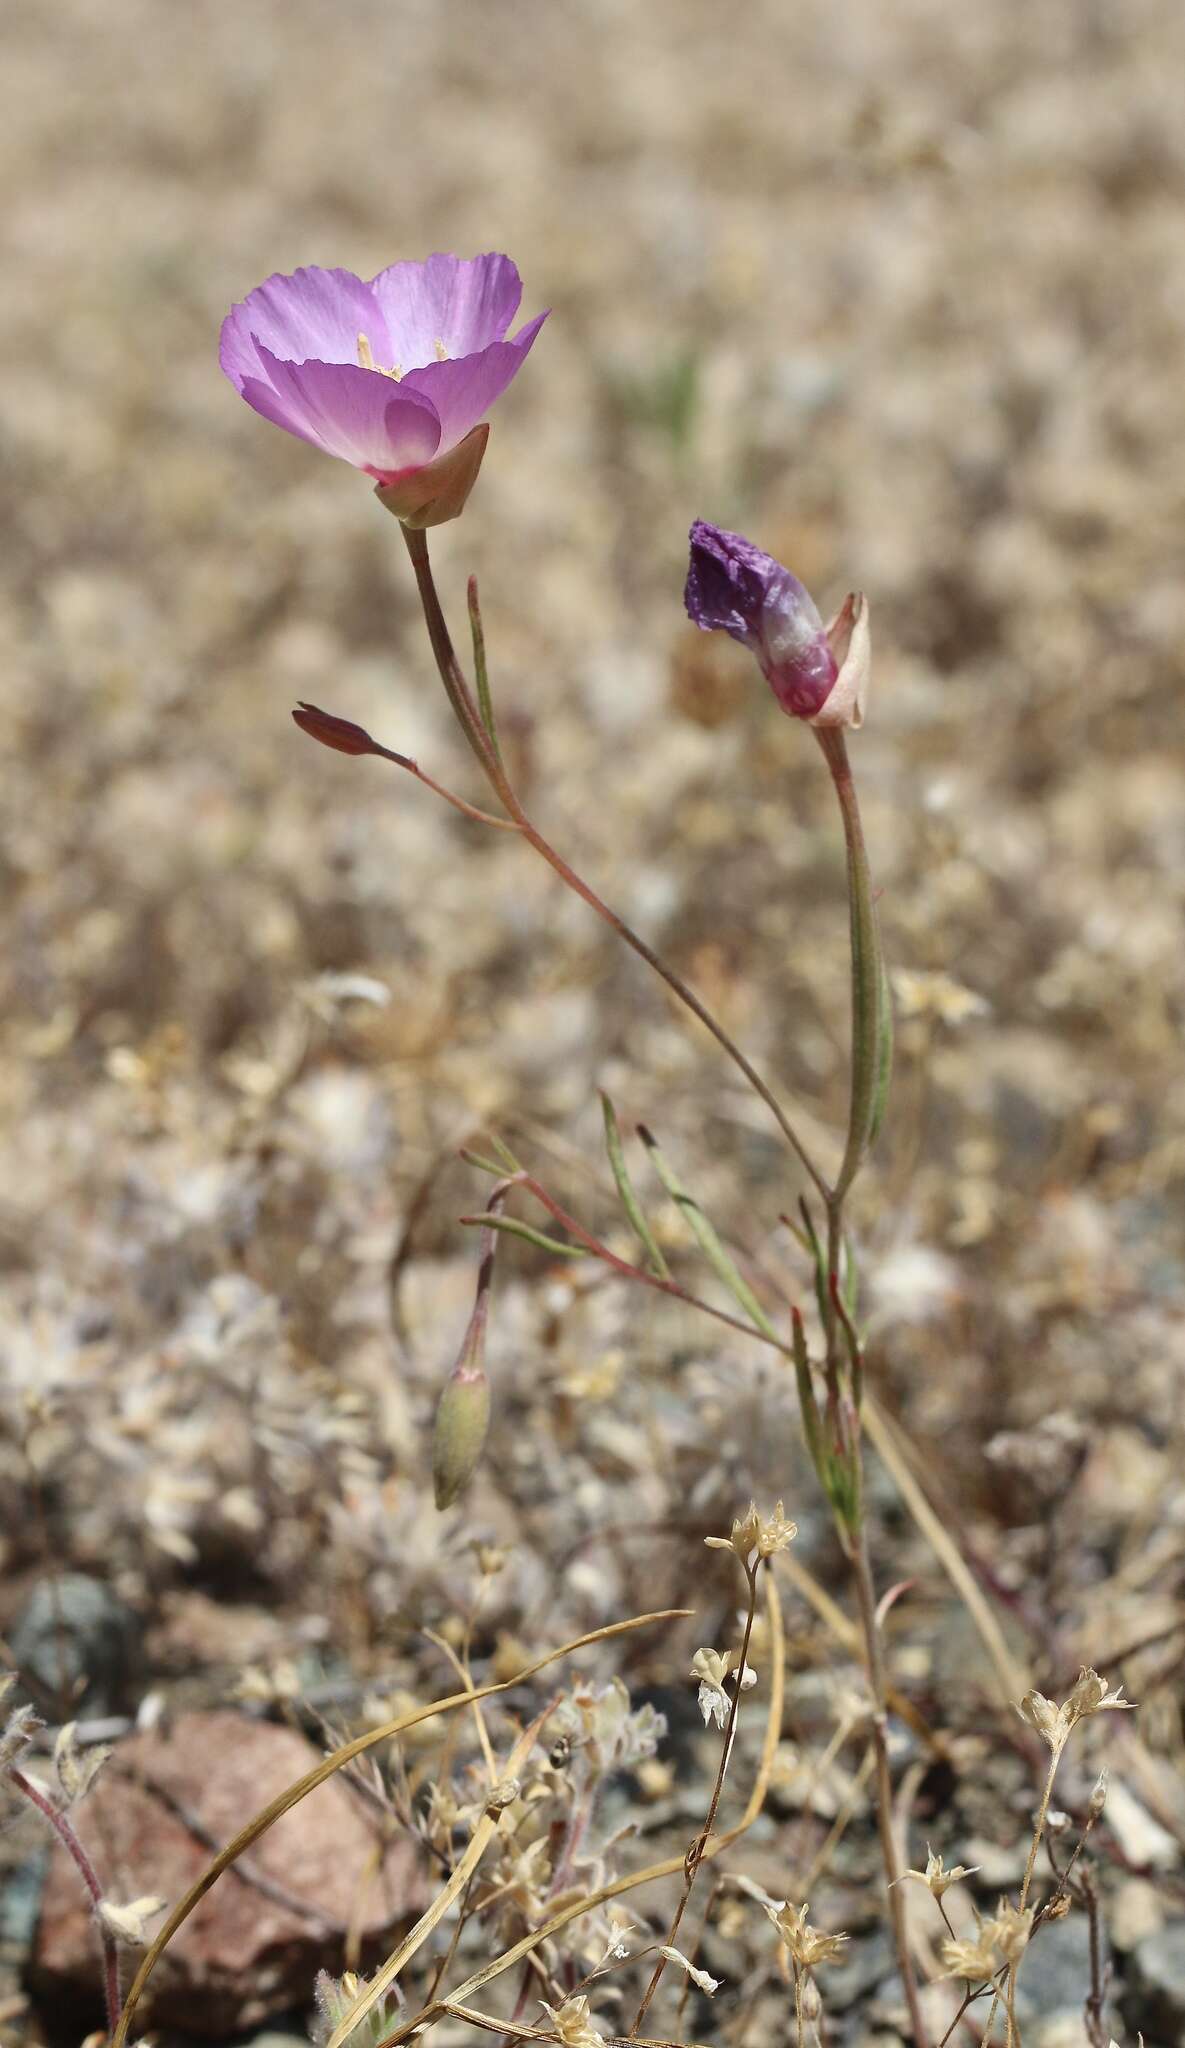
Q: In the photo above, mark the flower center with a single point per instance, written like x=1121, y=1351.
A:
x=366, y=359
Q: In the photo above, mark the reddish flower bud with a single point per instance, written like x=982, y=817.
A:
x=735, y=588
x=339, y=733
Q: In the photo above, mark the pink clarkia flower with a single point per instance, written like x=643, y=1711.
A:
x=816, y=674
x=394, y=376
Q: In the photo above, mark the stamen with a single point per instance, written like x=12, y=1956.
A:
x=441, y=351
x=366, y=360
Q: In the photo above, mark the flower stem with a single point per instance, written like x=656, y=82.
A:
x=874, y=1654
x=86, y=1870
x=469, y=718
x=695, y=1855
x=872, y=1041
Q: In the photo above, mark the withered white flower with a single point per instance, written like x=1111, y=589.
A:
x=573, y=2023
x=1089, y=1696
x=77, y=1768
x=712, y=1667
x=19, y=1731
x=936, y=1877
x=1012, y=1930
x=753, y=1533
x=129, y=1923
x=699, y=1977
x=808, y=1945
x=972, y=1959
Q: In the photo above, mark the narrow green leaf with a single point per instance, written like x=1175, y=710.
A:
x=718, y=1257
x=479, y=1160
x=504, y=1153
x=625, y=1189
x=485, y=702
x=884, y=1054
x=539, y=1238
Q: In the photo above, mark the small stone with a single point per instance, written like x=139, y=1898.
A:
x=251, y=1950
x=1055, y=1975
x=1157, y=2002
x=77, y=1645
x=1136, y=1911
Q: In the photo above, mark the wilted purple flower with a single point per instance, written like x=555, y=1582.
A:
x=394, y=376
x=815, y=674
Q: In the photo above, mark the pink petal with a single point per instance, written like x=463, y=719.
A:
x=463, y=391
x=356, y=414
x=314, y=315
x=465, y=303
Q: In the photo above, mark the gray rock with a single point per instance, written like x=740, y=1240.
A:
x=1055, y=1974
x=867, y=1961
x=1156, y=2001
x=77, y=1645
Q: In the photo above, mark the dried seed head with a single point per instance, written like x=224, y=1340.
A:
x=973, y=1958
x=753, y=1534
x=936, y=1877
x=1012, y=1930
x=1089, y=1696
x=573, y=2023
x=808, y=1946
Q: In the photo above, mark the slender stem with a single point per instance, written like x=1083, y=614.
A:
x=870, y=1016
x=1034, y=1846
x=469, y=717
x=86, y=1870
x=862, y=1572
x=695, y=1855
x=1039, y=1829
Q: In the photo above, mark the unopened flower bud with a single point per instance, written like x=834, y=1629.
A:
x=815, y=674
x=462, y=1418
x=339, y=733
x=1098, y=1798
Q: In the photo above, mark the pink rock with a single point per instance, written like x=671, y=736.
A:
x=251, y=1948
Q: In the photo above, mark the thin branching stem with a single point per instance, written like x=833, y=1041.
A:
x=469, y=718
x=695, y=1854
x=86, y=1870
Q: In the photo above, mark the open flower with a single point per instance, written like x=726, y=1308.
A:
x=735, y=588
x=394, y=376
x=712, y=1667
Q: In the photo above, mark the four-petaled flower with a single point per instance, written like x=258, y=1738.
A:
x=736, y=588
x=394, y=375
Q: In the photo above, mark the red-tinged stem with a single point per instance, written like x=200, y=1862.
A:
x=462, y=701
x=86, y=1870
x=618, y=1265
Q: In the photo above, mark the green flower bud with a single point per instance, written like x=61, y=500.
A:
x=462, y=1418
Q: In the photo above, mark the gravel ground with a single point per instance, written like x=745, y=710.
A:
x=899, y=292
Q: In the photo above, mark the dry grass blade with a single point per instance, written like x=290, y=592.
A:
x=285, y=1801
x=371, y=1992
x=671, y=1866
x=1011, y=1676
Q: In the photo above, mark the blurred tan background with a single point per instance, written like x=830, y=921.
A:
x=901, y=292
